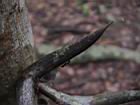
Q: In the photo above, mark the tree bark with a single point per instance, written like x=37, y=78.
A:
x=16, y=47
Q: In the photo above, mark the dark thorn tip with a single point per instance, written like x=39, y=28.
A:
x=105, y=27
x=102, y=29
x=108, y=25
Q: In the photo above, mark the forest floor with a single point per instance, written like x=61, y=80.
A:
x=93, y=77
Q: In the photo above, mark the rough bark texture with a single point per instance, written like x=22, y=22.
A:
x=16, y=47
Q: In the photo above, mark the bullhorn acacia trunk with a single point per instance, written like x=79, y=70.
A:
x=16, y=47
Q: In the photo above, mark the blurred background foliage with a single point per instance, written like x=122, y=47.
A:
x=112, y=64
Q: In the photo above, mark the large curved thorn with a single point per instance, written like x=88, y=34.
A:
x=60, y=56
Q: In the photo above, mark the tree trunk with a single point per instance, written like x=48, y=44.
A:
x=16, y=47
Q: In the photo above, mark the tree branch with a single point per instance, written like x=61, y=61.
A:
x=25, y=87
x=98, y=53
x=26, y=92
x=108, y=98
x=60, y=56
x=57, y=97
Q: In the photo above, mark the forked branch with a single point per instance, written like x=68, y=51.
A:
x=25, y=88
x=60, y=56
x=108, y=98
